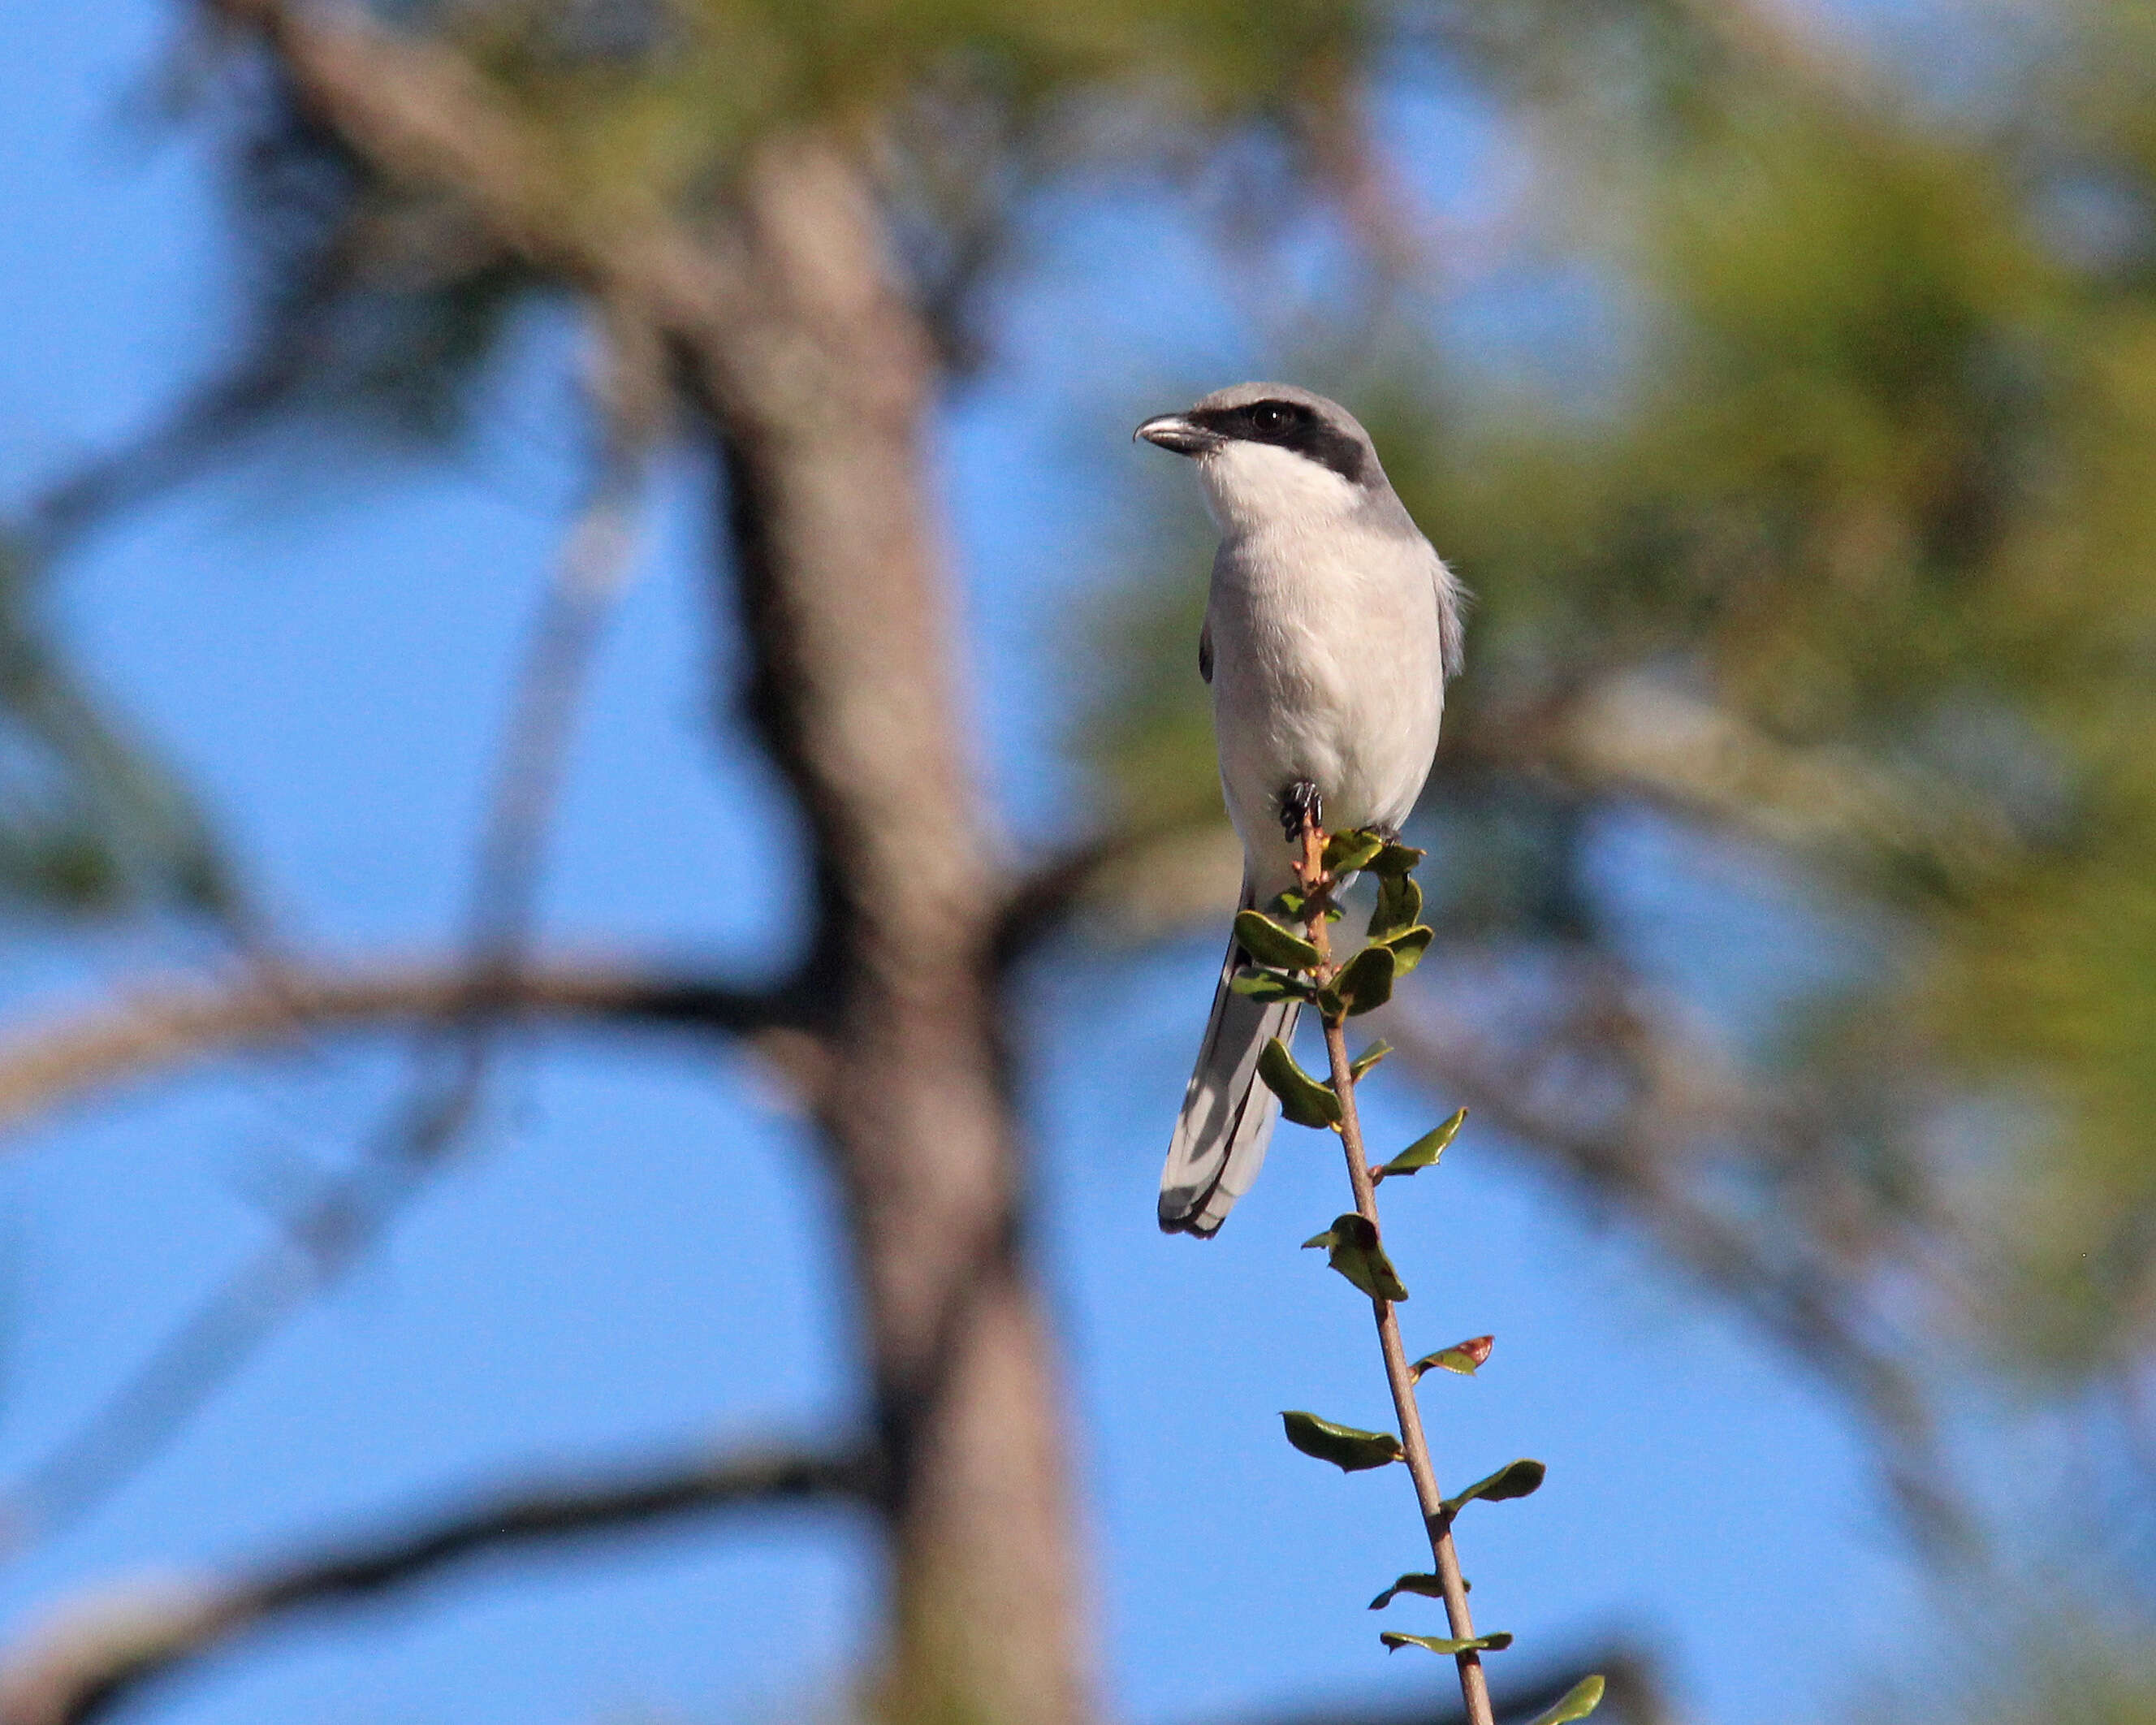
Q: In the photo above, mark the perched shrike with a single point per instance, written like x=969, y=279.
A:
x=1330, y=629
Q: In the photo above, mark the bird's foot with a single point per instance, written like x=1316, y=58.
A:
x=1301, y=807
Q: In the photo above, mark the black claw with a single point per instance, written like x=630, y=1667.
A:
x=1300, y=804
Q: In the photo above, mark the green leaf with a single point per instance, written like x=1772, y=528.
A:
x=1262, y=984
x=1515, y=1479
x=1292, y=908
x=1351, y=1248
x=1425, y=1150
x=1579, y=1701
x=1395, y=859
x=1428, y=1585
x=1303, y=1100
x=1365, y=982
x=1475, y=1644
x=1347, y=1447
x=1462, y=1357
x=1407, y=946
x=1345, y=853
x=1399, y=906
x=1413, y=1583
x=1368, y=1058
x=1265, y=941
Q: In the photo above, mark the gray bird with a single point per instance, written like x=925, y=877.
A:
x=1330, y=628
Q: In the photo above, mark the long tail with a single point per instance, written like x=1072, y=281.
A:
x=1228, y=1113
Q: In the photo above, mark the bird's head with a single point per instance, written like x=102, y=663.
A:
x=1270, y=453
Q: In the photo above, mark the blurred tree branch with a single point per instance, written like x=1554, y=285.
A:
x=95, y=1652
x=1625, y=735
x=1135, y=882
x=267, y=375
x=419, y=114
x=158, y=1030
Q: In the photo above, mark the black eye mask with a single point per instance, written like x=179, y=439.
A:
x=1288, y=425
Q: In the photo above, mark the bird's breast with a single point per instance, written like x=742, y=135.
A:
x=1327, y=665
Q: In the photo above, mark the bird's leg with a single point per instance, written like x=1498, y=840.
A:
x=1301, y=805
x=1302, y=821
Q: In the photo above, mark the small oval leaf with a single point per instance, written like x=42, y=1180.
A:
x=1407, y=946
x=1302, y=1099
x=1462, y=1357
x=1268, y=985
x=1579, y=1702
x=1365, y=982
x=1348, y=853
x=1351, y=1248
x=1396, y=859
x=1348, y=1447
x=1415, y=1582
x=1425, y=1150
x=1368, y=1058
x=1437, y=1643
x=1515, y=1479
x=1292, y=908
x=1265, y=941
x=1399, y=906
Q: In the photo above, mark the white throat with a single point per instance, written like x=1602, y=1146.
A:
x=1250, y=487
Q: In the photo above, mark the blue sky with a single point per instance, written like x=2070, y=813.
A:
x=635, y=1253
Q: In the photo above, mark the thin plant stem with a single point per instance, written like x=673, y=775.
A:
x=1474, y=1684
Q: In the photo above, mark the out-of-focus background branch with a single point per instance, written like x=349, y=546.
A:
x=86, y=1663
x=1780, y=376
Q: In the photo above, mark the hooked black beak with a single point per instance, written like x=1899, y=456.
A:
x=1172, y=431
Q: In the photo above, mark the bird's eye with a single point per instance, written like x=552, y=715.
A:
x=1268, y=416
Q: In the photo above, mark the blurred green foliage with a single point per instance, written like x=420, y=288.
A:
x=1857, y=569
x=90, y=823
x=2055, y=1656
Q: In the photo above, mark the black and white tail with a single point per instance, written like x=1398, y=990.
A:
x=1228, y=1113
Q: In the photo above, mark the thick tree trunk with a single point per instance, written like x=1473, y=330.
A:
x=822, y=397
x=818, y=379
